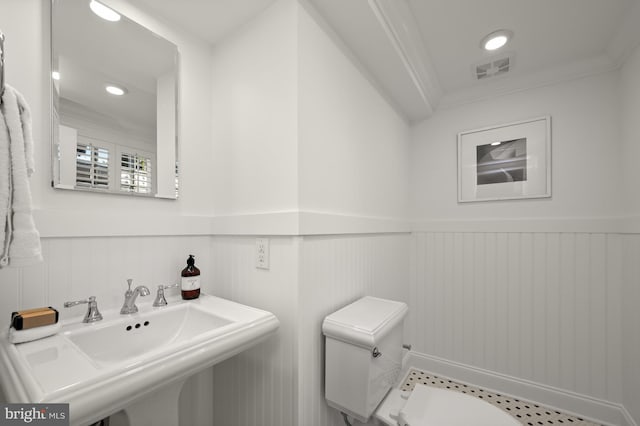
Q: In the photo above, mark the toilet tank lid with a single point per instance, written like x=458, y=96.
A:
x=365, y=321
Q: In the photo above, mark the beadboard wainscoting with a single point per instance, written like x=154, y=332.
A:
x=554, y=309
x=258, y=386
x=76, y=268
x=540, y=307
x=280, y=382
x=335, y=271
x=630, y=325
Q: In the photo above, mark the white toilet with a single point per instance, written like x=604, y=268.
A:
x=363, y=361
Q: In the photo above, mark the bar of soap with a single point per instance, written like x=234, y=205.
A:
x=31, y=318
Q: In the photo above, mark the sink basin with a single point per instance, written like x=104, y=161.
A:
x=133, y=337
x=103, y=367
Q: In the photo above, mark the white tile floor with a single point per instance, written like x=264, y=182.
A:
x=527, y=413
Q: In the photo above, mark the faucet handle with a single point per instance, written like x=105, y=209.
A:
x=129, y=281
x=78, y=302
x=160, y=299
x=93, y=314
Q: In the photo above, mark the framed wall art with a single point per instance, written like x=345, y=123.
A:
x=506, y=162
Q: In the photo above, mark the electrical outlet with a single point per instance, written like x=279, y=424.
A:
x=262, y=253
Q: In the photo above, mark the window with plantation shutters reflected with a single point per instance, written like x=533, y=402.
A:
x=136, y=173
x=92, y=166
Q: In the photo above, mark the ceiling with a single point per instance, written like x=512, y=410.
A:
x=420, y=53
x=210, y=20
x=546, y=32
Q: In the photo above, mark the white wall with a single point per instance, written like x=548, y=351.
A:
x=353, y=161
x=630, y=96
x=297, y=128
x=352, y=145
x=540, y=307
x=534, y=289
x=335, y=271
x=254, y=117
x=280, y=382
x=258, y=386
x=585, y=139
x=286, y=103
x=26, y=27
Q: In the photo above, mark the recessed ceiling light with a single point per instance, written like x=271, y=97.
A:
x=496, y=143
x=496, y=39
x=103, y=11
x=115, y=90
x=55, y=75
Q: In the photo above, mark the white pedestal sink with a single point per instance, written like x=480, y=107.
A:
x=133, y=362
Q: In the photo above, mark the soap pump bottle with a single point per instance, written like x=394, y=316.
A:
x=190, y=284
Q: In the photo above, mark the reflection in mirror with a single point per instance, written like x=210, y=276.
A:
x=114, y=103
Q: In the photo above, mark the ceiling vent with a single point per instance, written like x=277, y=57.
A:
x=492, y=67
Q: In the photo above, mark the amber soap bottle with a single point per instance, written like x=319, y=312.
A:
x=190, y=284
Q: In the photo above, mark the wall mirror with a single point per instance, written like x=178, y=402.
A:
x=114, y=112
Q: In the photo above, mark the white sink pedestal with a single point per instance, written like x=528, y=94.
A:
x=159, y=408
x=137, y=363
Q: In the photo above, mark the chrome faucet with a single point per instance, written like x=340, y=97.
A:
x=129, y=306
x=160, y=299
x=93, y=314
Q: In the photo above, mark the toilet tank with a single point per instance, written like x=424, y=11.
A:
x=363, y=354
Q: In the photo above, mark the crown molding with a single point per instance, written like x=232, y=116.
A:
x=321, y=20
x=505, y=85
x=397, y=21
x=627, y=39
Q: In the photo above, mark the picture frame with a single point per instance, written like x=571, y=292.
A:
x=505, y=162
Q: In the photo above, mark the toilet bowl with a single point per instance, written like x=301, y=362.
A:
x=428, y=406
x=363, y=360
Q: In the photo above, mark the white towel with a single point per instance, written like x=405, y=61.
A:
x=18, y=235
x=20, y=336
